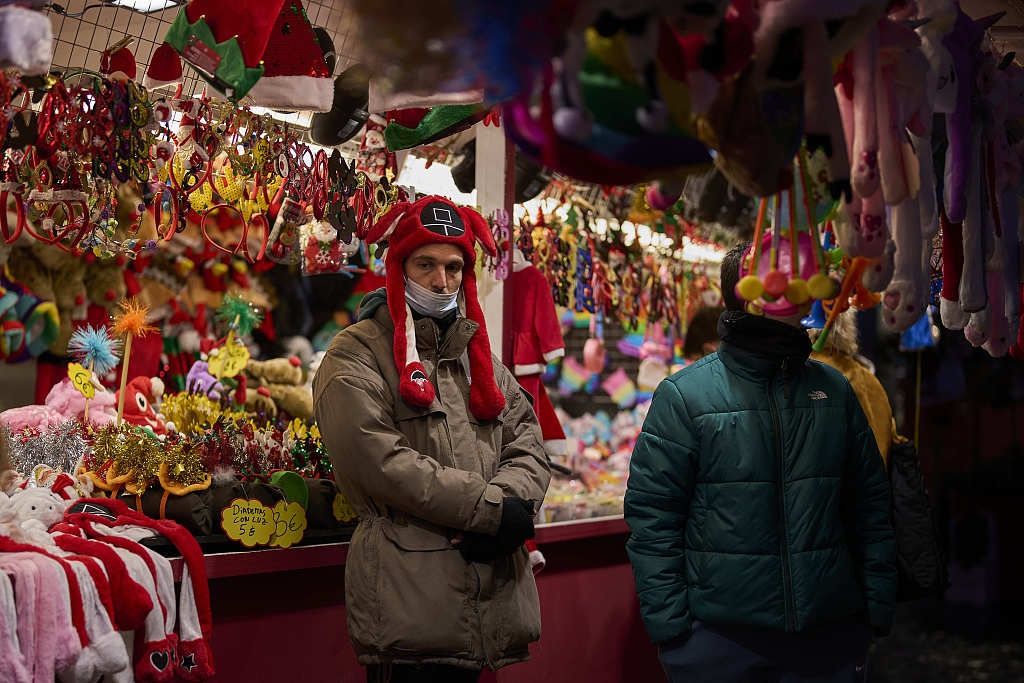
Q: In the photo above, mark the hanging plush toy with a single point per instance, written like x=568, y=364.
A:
x=638, y=22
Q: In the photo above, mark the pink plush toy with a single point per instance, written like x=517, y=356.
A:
x=62, y=403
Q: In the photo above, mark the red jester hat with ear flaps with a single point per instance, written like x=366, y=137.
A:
x=405, y=228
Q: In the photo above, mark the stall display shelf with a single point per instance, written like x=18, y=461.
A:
x=267, y=561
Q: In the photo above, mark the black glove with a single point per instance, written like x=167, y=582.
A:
x=516, y=526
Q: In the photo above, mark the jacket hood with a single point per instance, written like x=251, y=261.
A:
x=760, y=344
x=370, y=303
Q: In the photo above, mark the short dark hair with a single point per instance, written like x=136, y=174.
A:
x=731, y=276
x=702, y=329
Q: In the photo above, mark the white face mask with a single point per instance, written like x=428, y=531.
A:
x=428, y=303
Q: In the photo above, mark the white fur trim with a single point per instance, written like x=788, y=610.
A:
x=554, y=354
x=531, y=369
x=412, y=354
x=188, y=616
x=26, y=40
x=537, y=561
x=307, y=93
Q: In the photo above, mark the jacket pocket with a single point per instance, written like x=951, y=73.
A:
x=422, y=588
x=515, y=609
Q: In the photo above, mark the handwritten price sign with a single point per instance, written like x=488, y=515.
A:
x=290, y=524
x=228, y=360
x=249, y=522
x=81, y=380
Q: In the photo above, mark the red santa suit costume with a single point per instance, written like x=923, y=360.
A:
x=537, y=341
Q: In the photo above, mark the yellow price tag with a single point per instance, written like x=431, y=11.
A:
x=248, y=521
x=343, y=512
x=81, y=379
x=290, y=524
x=228, y=360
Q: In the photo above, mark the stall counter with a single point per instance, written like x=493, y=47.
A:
x=280, y=614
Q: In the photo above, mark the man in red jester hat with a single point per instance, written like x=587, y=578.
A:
x=439, y=451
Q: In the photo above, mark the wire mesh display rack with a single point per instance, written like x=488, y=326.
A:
x=83, y=29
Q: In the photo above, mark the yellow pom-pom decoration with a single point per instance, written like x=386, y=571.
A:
x=775, y=283
x=750, y=288
x=797, y=291
x=219, y=269
x=821, y=287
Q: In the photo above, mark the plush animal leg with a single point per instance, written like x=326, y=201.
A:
x=822, y=121
x=972, y=283
x=926, y=194
x=864, y=171
x=953, y=316
x=904, y=300
x=977, y=328
x=890, y=146
x=878, y=275
x=874, y=230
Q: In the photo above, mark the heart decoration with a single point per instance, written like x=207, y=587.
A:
x=254, y=232
x=75, y=211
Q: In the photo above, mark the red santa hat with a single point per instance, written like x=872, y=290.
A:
x=224, y=43
x=405, y=228
x=118, y=61
x=295, y=74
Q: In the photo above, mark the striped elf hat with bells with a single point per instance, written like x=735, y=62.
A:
x=405, y=228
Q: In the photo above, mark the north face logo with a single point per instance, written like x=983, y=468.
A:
x=817, y=395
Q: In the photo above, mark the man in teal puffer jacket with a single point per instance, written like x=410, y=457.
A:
x=759, y=512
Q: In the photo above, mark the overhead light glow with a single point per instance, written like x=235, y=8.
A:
x=146, y=6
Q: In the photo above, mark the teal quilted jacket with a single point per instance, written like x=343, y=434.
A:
x=757, y=495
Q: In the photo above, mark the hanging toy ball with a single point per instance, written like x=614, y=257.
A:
x=775, y=283
x=822, y=287
x=797, y=291
x=749, y=288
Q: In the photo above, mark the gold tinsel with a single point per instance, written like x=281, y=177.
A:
x=135, y=457
x=182, y=469
x=190, y=413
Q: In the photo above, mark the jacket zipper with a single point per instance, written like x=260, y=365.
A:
x=787, y=578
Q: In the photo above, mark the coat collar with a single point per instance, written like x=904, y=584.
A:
x=757, y=348
x=451, y=347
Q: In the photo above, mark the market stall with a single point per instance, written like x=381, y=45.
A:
x=189, y=194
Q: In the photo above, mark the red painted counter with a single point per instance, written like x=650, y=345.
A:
x=279, y=615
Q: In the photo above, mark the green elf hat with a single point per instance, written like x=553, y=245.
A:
x=408, y=128
x=223, y=42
